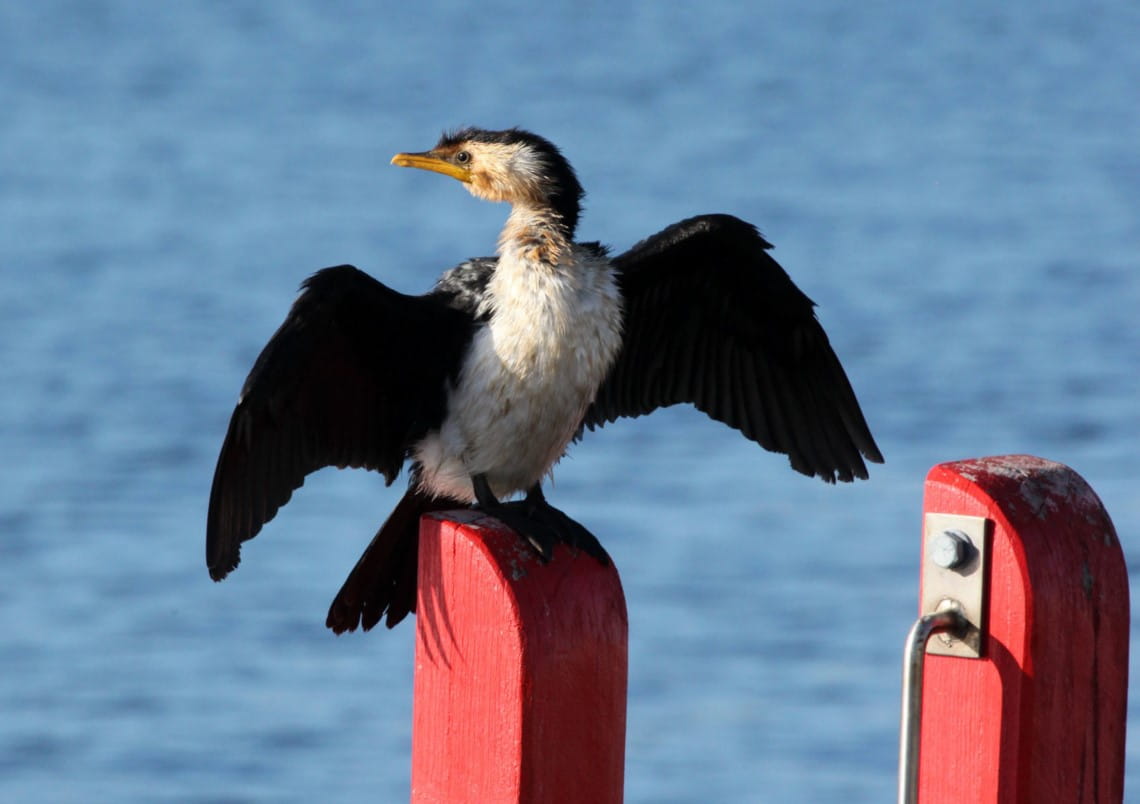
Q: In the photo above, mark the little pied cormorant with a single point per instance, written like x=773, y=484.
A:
x=485, y=380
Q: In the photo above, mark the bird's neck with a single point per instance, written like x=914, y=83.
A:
x=535, y=235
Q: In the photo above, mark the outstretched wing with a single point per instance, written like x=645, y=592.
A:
x=712, y=319
x=355, y=375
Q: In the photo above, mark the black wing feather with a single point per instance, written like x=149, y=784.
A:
x=464, y=287
x=712, y=319
x=353, y=377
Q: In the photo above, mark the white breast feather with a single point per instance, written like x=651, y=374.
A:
x=530, y=375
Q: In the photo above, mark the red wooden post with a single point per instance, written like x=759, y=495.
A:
x=1040, y=717
x=520, y=686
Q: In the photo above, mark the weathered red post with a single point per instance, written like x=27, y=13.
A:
x=520, y=685
x=1040, y=716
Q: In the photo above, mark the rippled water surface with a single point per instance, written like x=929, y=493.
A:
x=957, y=185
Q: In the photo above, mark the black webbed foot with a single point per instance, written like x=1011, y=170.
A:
x=538, y=522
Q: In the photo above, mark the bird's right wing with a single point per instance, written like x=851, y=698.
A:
x=464, y=287
x=353, y=377
x=711, y=319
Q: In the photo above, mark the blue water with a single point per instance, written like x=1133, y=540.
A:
x=956, y=184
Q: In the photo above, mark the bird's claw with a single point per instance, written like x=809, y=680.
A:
x=543, y=526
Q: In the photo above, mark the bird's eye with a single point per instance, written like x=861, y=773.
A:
x=463, y=157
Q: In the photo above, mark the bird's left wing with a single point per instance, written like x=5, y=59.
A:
x=711, y=319
x=353, y=377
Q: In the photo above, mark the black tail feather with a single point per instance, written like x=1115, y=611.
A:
x=384, y=578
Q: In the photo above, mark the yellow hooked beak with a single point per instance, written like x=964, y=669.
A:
x=429, y=161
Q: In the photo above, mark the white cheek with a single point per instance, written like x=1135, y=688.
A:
x=527, y=167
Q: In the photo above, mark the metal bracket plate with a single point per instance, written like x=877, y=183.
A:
x=962, y=585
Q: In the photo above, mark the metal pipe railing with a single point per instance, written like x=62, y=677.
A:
x=914, y=656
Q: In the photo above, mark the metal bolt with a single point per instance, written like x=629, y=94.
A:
x=950, y=549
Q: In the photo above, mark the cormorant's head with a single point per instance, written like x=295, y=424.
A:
x=513, y=166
